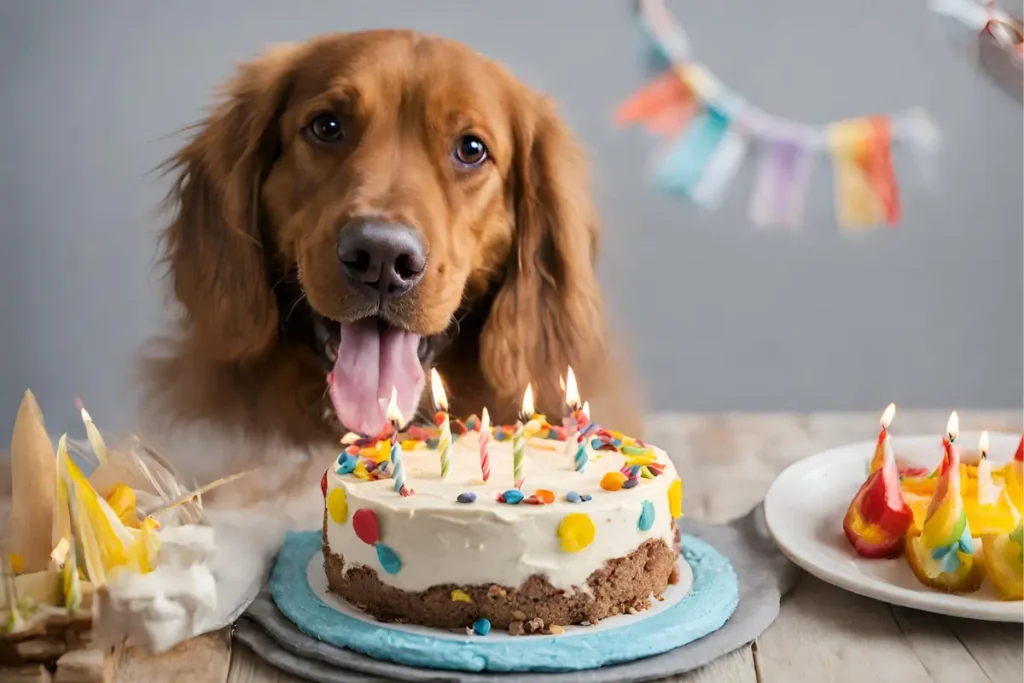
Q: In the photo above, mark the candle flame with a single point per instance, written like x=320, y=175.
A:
x=572, y=392
x=437, y=390
x=528, y=402
x=393, y=413
x=485, y=421
x=983, y=443
x=887, y=416
x=586, y=409
x=953, y=426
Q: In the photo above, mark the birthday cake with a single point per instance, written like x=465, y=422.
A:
x=589, y=532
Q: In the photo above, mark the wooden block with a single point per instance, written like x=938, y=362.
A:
x=87, y=666
x=33, y=473
x=24, y=674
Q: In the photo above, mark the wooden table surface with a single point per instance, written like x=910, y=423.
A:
x=727, y=462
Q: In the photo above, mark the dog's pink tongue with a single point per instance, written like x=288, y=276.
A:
x=370, y=362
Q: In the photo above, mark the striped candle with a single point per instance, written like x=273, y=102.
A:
x=444, y=443
x=519, y=439
x=398, y=471
x=485, y=442
x=581, y=457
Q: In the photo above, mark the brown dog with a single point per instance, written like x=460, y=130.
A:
x=367, y=206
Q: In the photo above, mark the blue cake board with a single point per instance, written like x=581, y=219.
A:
x=710, y=602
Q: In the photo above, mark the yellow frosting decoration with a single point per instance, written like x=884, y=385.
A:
x=675, y=499
x=576, y=532
x=337, y=506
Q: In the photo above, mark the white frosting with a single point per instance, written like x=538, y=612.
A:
x=160, y=609
x=440, y=541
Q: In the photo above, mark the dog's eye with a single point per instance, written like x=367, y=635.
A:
x=326, y=128
x=469, y=151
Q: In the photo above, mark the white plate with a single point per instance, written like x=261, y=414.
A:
x=804, y=512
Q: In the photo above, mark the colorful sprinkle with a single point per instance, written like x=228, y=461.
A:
x=461, y=596
x=467, y=497
x=645, y=472
x=360, y=471
x=633, y=450
x=337, y=506
x=388, y=559
x=634, y=471
x=323, y=484
x=675, y=498
x=613, y=481
x=512, y=496
x=346, y=463
x=572, y=497
x=646, y=520
x=481, y=627
x=576, y=532
x=545, y=496
x=364, y=522
x=631, y=482
x=533, y=500
x=371, y=465
x=352, y=450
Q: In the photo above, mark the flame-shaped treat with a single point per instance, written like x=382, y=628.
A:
x=878, y=518
x=1004, y=562
x=942, y=554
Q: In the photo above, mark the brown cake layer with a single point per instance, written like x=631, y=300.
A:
x=624, y=584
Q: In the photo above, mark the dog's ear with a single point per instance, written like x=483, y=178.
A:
x=548, y=313
x=214, y=246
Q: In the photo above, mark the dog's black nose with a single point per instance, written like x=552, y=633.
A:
x=385, y=259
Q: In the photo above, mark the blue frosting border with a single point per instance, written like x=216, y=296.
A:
x=708, y=605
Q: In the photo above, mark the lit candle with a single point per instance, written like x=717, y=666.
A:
x=952, y=430
x=519, y=439
x=570, y=421
x=93, y=434
x=444, y=442
x=485, y=441
x=988, y=491
x=883, y=436
x=394, y=416
x=581, y=457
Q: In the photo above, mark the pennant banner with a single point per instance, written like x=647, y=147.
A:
x=714, y=130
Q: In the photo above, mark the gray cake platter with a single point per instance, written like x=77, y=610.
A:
x=765, y=575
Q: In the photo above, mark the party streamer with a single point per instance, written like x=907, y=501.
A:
x=714, y=130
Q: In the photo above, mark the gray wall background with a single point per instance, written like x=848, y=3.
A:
x=717, y=314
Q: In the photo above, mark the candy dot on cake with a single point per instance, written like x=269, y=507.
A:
x=467, y=497
x=675, y=498
x=572, y=497
x=545, y=496
x=646, y=520
x=481, y=627
x=613, y=481
x=337, y=506
x=364, y=522
x=576, y=532
x=461, y=596
x=388, y=559
x=512, y=496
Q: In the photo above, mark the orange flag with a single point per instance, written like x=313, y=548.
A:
x=663, y=106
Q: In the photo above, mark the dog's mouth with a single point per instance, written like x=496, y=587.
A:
x=365, y=361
